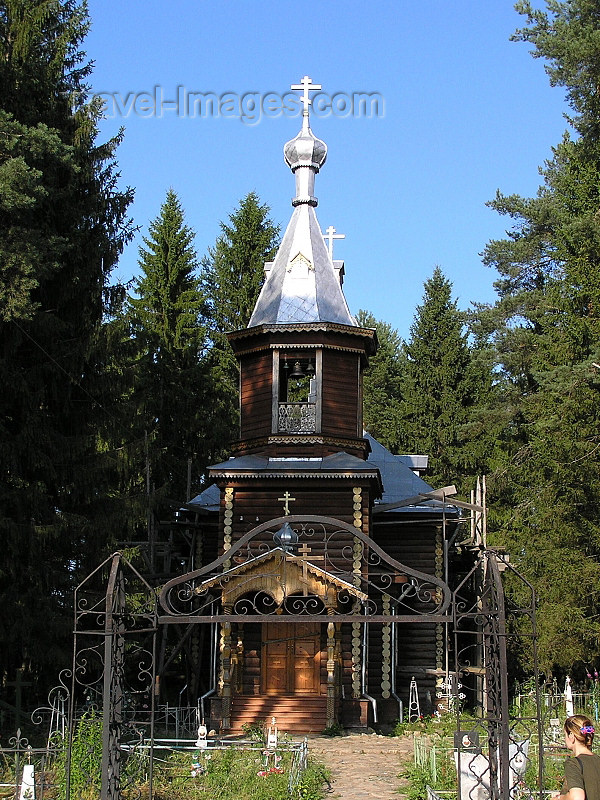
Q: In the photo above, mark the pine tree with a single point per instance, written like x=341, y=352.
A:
x=441, y=385
x=62, y=226
x=232, y=276
x=546, y=330
x=382, y=383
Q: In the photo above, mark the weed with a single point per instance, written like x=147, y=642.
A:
x=254, y=730
x=334, y=730
x=86, y=759
x=312, y=782
x=438, y=772
x=232, y=774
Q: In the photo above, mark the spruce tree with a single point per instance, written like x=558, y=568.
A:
x=232, y=276
x=166, y=317
x=62, y=226
x=382, y=383
x=441, y=385
x=233, y=270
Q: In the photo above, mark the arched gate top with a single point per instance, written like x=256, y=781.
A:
x=356, y=577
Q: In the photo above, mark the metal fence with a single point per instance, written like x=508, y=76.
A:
x=102, y=727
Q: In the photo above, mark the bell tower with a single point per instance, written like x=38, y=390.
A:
x=303, y=354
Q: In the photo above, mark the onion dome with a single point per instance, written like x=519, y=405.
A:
x=305, y=150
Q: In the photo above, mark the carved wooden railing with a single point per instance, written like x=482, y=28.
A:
x=297, y=418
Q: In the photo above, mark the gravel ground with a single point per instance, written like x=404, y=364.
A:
x=364, y=766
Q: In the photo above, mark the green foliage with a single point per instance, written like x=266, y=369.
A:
x=419, y=777
x=436, y=727
x=232, y=774
x=254, y=730
x=231, y=277
x=436, y=770
x=382, y=383
x=554, y=772
x=442, y=385
x=62, y=226
x=170, y=406
x=85, y=762
x=545, y=329
x=334, y=730
x=233, y=270
x=166, y=314
x=566, y=36
x=312, y=782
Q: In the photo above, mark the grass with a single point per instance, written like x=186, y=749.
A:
x=239, y=772
x=230, y=774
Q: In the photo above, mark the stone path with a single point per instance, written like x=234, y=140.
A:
x=363, y=766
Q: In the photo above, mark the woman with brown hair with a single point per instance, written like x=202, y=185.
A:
x=582, y=769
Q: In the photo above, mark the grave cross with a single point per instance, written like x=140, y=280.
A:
x=303, y=552
x=286, y=502
x=329, y=236
x=18, y=683
x=305, y=86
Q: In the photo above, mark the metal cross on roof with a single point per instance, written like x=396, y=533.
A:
x=287, y=497
x=305, y=86
x=329, y=236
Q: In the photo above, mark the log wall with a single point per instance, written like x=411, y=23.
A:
x=256, y=380
x=341, y=394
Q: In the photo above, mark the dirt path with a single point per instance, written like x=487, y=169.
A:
x=364, y=766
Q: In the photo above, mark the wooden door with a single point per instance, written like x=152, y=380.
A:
x=291, y=656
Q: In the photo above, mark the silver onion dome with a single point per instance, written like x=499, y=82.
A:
x=305, y=150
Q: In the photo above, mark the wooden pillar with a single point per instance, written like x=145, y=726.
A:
x=226, y=671
x=227, y=524
x=386, y=650
x=331, y=683
x=237, y=661
x=357, y=559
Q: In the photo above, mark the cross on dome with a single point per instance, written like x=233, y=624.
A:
x=329, y=236
x=305, y=86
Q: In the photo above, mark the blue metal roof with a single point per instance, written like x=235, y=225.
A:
x=399, y=481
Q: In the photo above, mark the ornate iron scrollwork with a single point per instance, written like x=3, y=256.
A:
x=324, y=566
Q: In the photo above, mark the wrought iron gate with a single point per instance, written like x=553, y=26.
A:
x=493, y=755
x=114, y=673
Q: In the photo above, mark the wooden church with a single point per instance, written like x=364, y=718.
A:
x=320, y=581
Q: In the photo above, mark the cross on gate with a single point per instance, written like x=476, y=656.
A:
x=329, y=236
x=286, y=502
x=304, y=551
x=305, y=86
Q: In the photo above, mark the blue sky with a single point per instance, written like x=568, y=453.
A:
x=467, y=112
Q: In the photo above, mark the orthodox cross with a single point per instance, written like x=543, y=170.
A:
x=303, y=552
x=329, y=236
x=305, y=86
x=286, y=502
x=18, y=683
